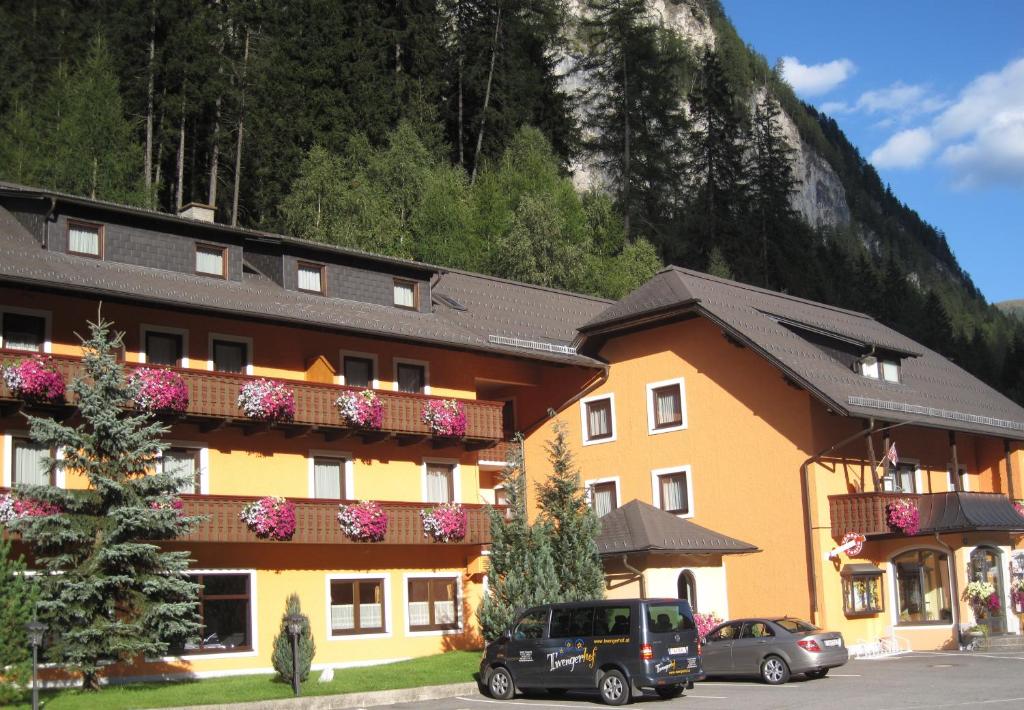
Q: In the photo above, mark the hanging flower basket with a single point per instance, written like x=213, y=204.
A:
x=446, y=417
x=361, y=409
x=1017, y=595
x=444, y=523
x=267, y=400
x=159, y=390
x=174, y=504
x=14, y=508
x=364, y=521
x=35, y=380
x=1019, y=507
x=903, y=514
x=982, y=598
x=270, y=518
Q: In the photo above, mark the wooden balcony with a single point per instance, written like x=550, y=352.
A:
x=863, y=513
x=497, y=453
x=213, y=398
x=952, y=511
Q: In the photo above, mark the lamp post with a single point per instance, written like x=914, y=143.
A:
x=294, y=623
x=35, y=630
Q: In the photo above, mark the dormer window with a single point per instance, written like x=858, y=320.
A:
x=211, y=260
x=85, y=239
x=879, y=368
x=311, y=278
x=405, y=294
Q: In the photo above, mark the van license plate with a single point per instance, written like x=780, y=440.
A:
x=678, y=650
x=833, y=642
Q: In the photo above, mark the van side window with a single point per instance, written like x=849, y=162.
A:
x=663, y=618
x=531, y=626
x=611, y=621
x=568, y=623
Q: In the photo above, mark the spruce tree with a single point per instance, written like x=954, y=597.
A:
x=573, y=524
x=107, y=589
x=282, y=656
x=520, y=569
x=18, y=594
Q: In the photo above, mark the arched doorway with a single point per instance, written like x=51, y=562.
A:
x=986, y=566
x=688, y=588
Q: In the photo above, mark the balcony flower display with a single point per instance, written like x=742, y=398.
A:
x=170, y=504
x=982, y=597
x=361, y=409
x=903, y=514
x=446, y=417
x=1019, y=507
x=705, y=622
x=445, y=522
x=35, y=380
x=267, y=400
x=364, y=521
x=14, y=508
x=270, y=518
x=159, y=390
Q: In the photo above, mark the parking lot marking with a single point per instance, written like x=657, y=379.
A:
x=747, y=685
x=845, y=675
x=519, y=703
x=966, y=703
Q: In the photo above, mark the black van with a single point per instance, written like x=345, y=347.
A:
x=619, y=646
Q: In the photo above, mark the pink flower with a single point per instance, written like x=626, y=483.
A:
x=272, y=518
x=992, y=603
x=159, y=390
x=903, y=514
x=361, y=409
x=35, y=380
x=446, y=417
x=268, y=400
x=172, y=504
x=445, y=523
x=1019, y=508
x=365, y=521
x=705, y=622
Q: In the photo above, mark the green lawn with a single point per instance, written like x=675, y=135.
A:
x=452, y=667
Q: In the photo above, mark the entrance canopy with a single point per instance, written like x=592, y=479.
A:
x=640, y=527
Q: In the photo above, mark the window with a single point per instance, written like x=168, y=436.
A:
x=230, y=355
x=357, y=606
x=164, y=348
x=311, y=277
x=603, y=497
x=440, y=482
x=666, y=407
x=876, y=368
x=572, y=622
x=672, y=490
x=328, y=477
x=184, y=463
x=598, y=415
x=728, y=632
x=756, y=630
x=612, y=621
x=531, y=626
x=901, y=479
x=411, y=377
x=433, y=603
x=957, y=482
x=357, y=371
x=862, y=589
x=30, y=464
x=211, y=260
x=406, y=294
x=686, y=588
x=23, y=332
x=668, y=617
x=225, y=613
x=922, y=588
x=85, y=239
x=890, y=370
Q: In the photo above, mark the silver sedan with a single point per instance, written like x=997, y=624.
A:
x=772, y=649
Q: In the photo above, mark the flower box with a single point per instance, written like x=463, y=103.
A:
x=267, y=400
x=446, y=417
x=363, y=410
x=35, y=380
x=159, y=390
x=270, y=518
x=174, y=504
x=15, y=508
x=903, y=514
x=444, y=523
x=365, y=521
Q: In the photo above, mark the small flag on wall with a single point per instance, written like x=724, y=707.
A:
x=892, y=455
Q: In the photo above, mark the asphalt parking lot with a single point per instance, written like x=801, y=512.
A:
x=909, y=682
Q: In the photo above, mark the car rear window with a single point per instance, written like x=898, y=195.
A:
x=664, y=618
x=796, y=626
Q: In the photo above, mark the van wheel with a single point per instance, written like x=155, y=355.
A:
x=667, y=692
x=774, y=671
x=500, y=684
x=614, y=688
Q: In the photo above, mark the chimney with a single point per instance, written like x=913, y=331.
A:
x=197, y=211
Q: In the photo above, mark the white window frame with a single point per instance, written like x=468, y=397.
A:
x=148, y=328
x=918, y=477
x=253, y=620
x=656, y=475
x=243, y=339
x=349, y=492
x=456, y=478
x=964, y=478
x=407, y=361
x=47, y=317
x=587, y=485
x=610, y=396
x=60, y=479
x=651, y=420
x=372, y=357
x=457, y=575
x=385, y=614
x=204, y=461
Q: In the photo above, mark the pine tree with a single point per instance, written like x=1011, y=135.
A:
x=717, y=265
x=573, y=524
x=18, y=594
x=282, y=656
x=106, y=593
x=520, y=569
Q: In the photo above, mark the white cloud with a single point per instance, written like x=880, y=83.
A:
x=835, y=107
x=994, y=155
x=816, y=79
x=904, y=99
x=906, y=149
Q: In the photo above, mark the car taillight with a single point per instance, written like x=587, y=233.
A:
x=700, y=648
x=809, y=645
x=646, y=652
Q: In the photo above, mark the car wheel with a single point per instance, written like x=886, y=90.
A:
x=500, y=684
x=774, y=670
x=814, y=675
x=668, y=692
x=614, y=688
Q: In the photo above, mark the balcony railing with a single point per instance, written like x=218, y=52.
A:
x=863, y=513
x=213, y=402
x=498, y=453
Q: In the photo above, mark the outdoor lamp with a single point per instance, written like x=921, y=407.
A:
x=35, y=630
x=294, y=623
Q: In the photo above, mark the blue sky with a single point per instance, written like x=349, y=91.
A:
x=932, y=93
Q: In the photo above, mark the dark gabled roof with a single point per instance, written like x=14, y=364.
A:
x=957, y=512
x=640, y=527
x=933, y=391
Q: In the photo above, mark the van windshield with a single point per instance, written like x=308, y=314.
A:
x=668, y=617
